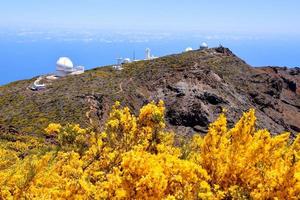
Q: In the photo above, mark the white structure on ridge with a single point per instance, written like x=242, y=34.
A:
x=122, y=61
x=119, y=61
x=126, y=60
x=148, y=55
x=118, y=66
x=203, y=46
x=188, y=49
x=37, y=86
x=65, y=67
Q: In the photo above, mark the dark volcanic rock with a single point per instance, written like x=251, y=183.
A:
x=212, y=98
x=262, y=100
x=275, y=87
x=290, y=84
x=189, y=116
x=224, y=50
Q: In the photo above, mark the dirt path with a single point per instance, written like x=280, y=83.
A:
x=120, y=85
x=91, y=105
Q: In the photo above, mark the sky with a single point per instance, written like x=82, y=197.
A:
x=256, y=17
x=34, y=33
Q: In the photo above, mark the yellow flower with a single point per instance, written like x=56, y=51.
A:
x=53, y=129
x=136, y=158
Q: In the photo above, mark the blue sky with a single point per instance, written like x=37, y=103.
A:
x=34, y=33
x=230, y=16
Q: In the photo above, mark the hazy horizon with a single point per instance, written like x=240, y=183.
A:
x=33, y=34
x=232, y=16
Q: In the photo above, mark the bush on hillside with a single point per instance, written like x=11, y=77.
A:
x=136, y=158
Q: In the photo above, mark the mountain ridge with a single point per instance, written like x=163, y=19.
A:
x=196, y=86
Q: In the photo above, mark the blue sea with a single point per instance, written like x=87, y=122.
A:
x=25, y=54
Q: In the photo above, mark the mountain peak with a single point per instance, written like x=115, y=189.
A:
x=196, y=86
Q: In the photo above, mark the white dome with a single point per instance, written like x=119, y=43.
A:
x=126, y=60
x=203, y=45
x=64, y=62
x=188, y=49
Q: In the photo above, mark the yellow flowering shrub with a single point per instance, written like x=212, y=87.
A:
x=246, y=163
x=53, y=129
x=136, y=158
x=69, y=137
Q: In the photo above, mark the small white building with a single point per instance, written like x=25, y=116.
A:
x=188, y=49
x=122, y=61
x=65, y=67
x=37, y=85
x=203, y=46
x=118, y=66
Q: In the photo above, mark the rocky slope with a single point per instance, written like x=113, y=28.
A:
x=196, y=86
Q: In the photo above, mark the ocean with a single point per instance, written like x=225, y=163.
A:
x=25, y=55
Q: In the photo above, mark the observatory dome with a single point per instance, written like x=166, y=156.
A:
x=188, y=49
x=64, y=63
x=203, y=45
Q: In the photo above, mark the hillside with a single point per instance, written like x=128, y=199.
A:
x=195, y=86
